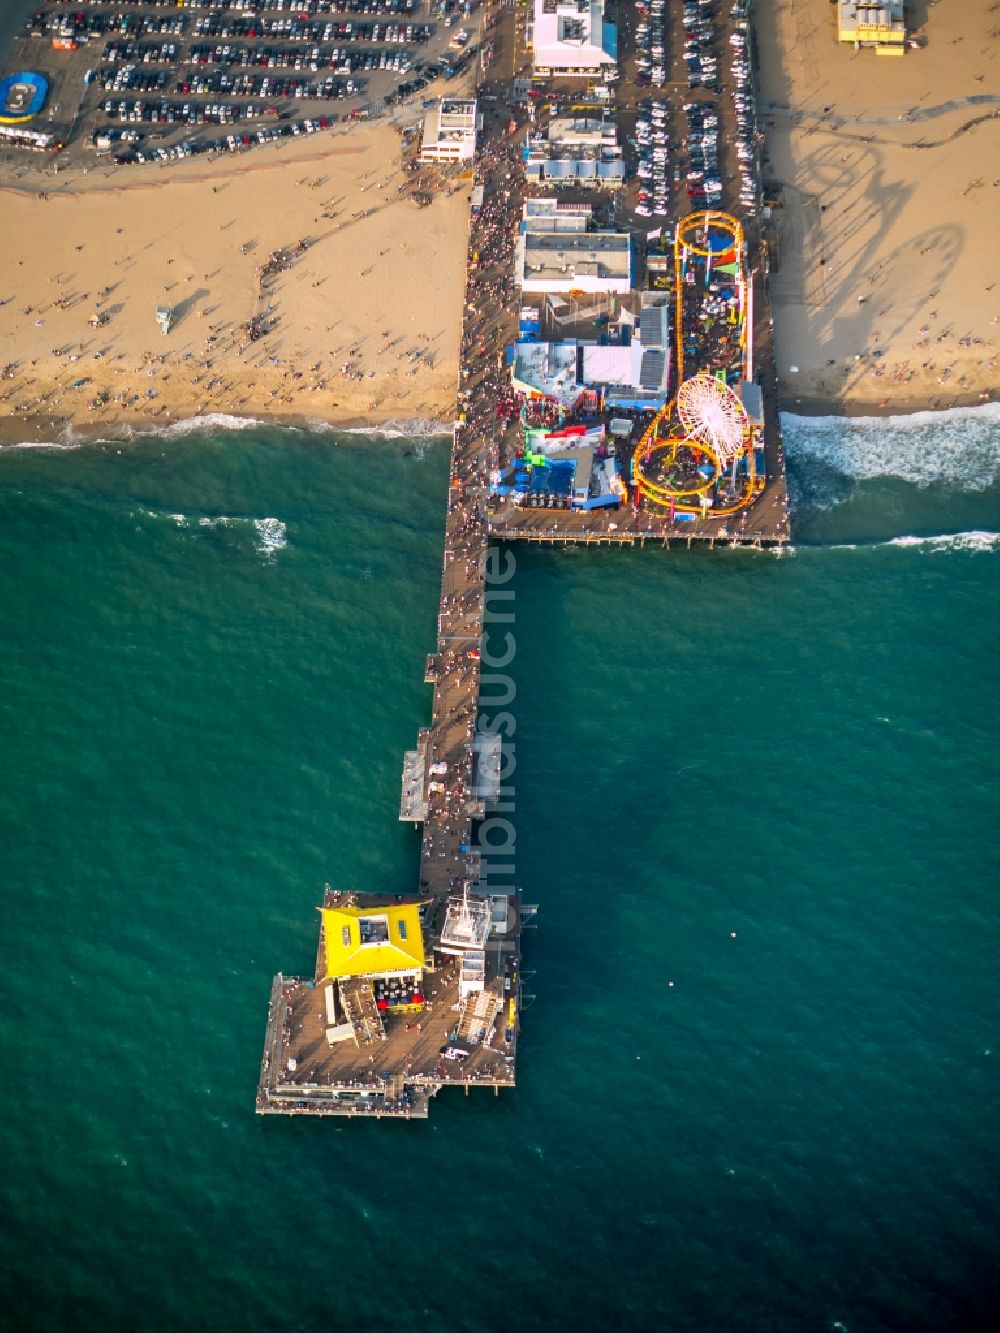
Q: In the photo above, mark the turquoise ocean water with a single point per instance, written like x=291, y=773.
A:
x=768, y=781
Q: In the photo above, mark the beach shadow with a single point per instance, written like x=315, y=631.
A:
x=835, y=202
x=183, y=308
x=917, y=15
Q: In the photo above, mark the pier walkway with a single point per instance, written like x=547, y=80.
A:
x=327, y=1051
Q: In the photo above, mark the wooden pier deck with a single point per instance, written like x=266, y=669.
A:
x=315, y=1063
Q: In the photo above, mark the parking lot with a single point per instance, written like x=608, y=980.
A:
x=155, y=82
x=686, y=109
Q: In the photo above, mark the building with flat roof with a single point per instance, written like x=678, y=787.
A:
x=549, y=370
x=450, y=130
x=553, y=215
x=557, y=251
x=576, y=150
x=556, y=168
x=632, y=373
x=876, y=24
x=594, y=130
x=572, y=37
x=593, y=261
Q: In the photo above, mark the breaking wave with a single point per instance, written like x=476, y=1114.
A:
x=271, y=536
x=39, y=444
x=78, y=439
x=958, y=449
x=977, y=542
x=418, y=428
x=210, y=422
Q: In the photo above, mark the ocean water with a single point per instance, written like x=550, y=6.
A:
x=755, y=801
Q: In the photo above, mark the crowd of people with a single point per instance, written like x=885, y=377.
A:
x=479, y=440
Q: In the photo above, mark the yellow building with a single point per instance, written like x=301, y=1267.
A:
x=370, y=941
x=879, y=25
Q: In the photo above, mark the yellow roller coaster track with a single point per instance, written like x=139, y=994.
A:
x=692, y=237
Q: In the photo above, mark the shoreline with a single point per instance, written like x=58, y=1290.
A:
x=857, y=407
x=65, y=432
x=315, y=287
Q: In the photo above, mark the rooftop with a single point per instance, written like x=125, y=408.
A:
x=884, y=21
x=571, y=35
x=452, y=121
x=604, y=254
x=548, y=368
x=371, y=940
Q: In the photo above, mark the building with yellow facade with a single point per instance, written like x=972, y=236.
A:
x=878, y=25
x=382, y=941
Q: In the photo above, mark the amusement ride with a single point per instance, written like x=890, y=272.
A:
x=699, y=454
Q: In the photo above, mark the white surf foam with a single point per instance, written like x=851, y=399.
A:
x=38, y=444
x=271, y=536
x=958, y=448
x=209, y=423
x=978, y=541
x=417, y=428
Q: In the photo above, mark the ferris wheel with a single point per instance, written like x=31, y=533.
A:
x=711, y=412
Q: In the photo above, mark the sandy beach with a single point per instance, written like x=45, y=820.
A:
x=886, y=289
x=365, y=302
x=884, y=280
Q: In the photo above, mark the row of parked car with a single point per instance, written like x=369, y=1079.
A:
x=126, y=151
x=700, y=56
x=743, y=105
x=222, y=82
x=310, y=7
x=82, y=25
x=651, y=43
x=135, y=111
x=703, y=183
x=141, y=53
x=280, y=57
x=131, y=78
x=298, y=29
x=653, y=144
